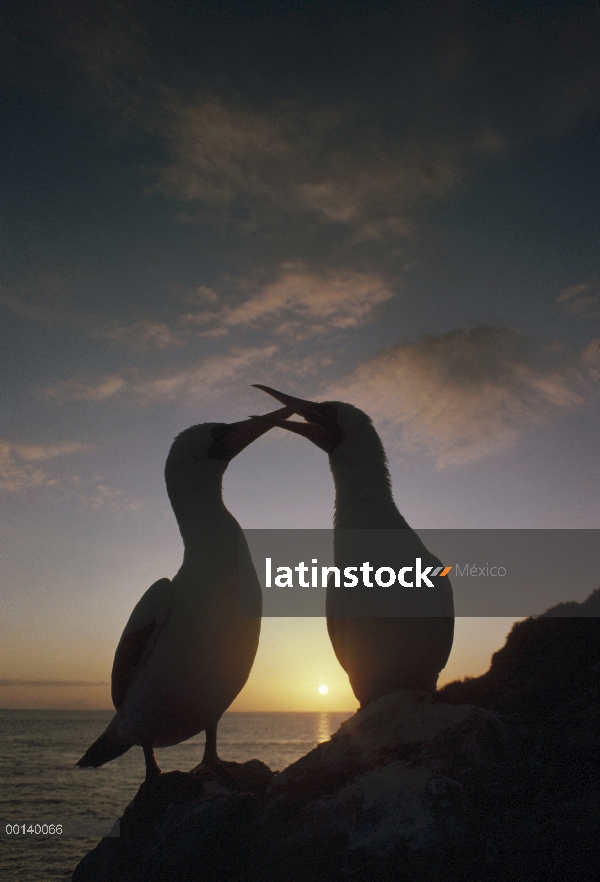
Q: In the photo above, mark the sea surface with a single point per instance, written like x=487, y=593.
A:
x=39, y=782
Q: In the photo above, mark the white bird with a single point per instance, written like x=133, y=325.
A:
x=186, y=651
x=379, y=653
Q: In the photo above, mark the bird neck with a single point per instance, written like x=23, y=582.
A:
x=201, y=514
x=363, y=491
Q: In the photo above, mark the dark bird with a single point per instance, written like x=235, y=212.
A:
x=380, y=653
x=186, y=651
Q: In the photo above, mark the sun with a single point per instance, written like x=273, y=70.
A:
x=323, y=689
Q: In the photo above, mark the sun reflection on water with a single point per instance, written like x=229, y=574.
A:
x=323, y=732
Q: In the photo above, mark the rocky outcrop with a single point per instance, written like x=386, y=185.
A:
x=392, y=778
x=492, y=778
x=547, y=669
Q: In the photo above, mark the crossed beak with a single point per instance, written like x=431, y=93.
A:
x=234, y=437
x=321, y=426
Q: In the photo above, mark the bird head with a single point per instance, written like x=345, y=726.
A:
x=204, y=451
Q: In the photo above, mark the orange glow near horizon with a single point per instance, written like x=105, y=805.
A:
x=294, y=662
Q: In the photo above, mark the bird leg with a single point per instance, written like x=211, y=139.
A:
x=211, y=760
x=210, y=757
x=152, y=770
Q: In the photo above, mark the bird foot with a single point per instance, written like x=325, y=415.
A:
x=215, y=769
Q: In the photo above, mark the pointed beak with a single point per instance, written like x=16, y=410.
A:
x=233, y=438
x=312, y=411
x=321, y=426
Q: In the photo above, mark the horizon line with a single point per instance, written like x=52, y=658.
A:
x=54, y=683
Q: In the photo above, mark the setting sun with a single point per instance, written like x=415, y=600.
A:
x=323, y=689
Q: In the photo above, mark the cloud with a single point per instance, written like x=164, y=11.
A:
x=143, y=336
x=225, y=376
x=298, y=302
x=218, y=153
x=101, y=495
x=470, y=393
x=19, y=464
x=580, y=300
x=289, y=159
x=201, y=382
x=457, y=397
x=197, y=382
x=47, y=298
x=40, y=452
x=428, y=95
x=21, y=470
x=301, y=302
x=87, y=390
x=43, y=296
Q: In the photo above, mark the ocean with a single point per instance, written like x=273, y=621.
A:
x=39, y=782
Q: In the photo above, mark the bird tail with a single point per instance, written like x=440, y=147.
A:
x=104, y=749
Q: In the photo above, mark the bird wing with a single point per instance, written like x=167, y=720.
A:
x=137, y=640
x=334, y=611
x=335, y=631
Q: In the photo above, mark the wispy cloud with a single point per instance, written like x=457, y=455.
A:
x=300, y=302
x=98, y=494
x=296, y=300
x=296, y=160
x=583, y=300
x=78, y=389
x=43, y=296
x=438, y=109
x=20, y=468
x=201, y=382
x=470, y=393
x=49, y=302
x=235, y=161
x=296, y=304
x=219, y=152
x=229, y=374
x=144, y=336
x=197, y=382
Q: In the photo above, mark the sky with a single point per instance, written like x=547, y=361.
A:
x=391, y=204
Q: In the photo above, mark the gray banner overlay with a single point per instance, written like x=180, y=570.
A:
x=405, y=572
x=70, y=828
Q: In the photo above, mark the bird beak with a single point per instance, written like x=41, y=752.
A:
x=233, y=438
x=321, y=426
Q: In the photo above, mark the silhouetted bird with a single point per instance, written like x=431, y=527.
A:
x=379, y=653
x=186, y=652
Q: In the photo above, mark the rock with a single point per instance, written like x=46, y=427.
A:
x=181, y=819
x=545, y=669
x=387, y=729
x=390, y=778
x=492, y=778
